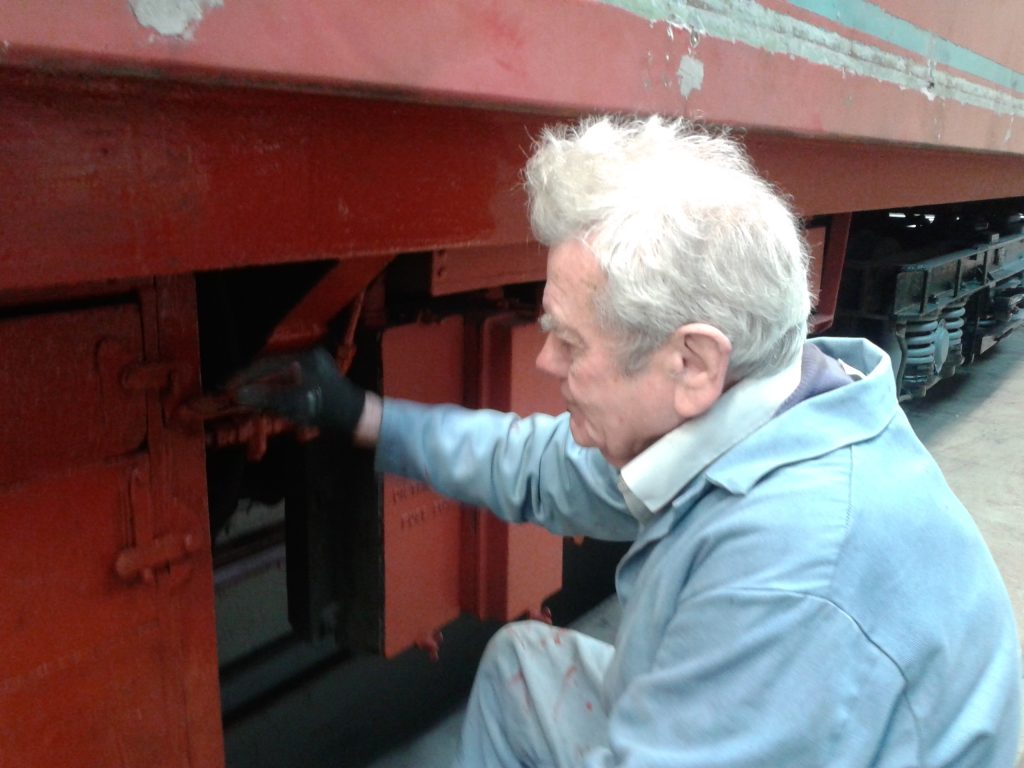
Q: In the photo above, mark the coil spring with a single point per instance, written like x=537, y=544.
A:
x=953, y=318
x=921, y=345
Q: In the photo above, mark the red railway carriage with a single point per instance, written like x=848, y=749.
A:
x=188, y=184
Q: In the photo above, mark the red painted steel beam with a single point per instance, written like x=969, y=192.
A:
x=118, y=179
x=131, y=179
x=549, y=55
x=828, y=176
x=306, y=323
x=456, y=270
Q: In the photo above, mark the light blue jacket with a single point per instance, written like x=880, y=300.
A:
x=817, y=596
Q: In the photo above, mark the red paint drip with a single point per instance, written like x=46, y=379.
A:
x=566, y=679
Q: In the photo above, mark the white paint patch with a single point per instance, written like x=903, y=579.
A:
x=690, y=74
x=172, y=18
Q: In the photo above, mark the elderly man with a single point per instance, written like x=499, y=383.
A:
x=803, y=589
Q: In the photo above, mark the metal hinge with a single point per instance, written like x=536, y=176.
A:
x=151, y=554
x=118, y=365
x=151, y=376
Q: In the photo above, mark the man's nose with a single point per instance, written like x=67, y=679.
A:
x=547, y=359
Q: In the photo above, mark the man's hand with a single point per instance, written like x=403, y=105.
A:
x=305, y=388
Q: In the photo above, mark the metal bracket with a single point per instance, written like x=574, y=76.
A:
x=163, y=552
x=145, y=377
x=162, y=378
x=151, y=553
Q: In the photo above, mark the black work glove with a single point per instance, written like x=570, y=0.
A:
x=305, y=388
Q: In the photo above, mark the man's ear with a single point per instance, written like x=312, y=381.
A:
x=701, y=357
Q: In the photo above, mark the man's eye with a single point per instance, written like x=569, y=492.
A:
x=571, y=347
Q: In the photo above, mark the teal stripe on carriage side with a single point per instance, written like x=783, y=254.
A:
x=868, y=18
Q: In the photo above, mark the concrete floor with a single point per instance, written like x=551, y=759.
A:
x=971, y=425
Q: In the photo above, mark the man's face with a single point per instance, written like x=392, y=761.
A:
x=618, y=414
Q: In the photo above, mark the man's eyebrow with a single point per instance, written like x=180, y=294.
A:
x=549, y=324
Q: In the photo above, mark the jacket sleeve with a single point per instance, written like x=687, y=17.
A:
x=523, y=470
x=746, y=678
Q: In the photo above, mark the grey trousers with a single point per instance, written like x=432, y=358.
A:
x=537, y=699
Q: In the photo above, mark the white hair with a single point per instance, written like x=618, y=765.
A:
x=685, y=231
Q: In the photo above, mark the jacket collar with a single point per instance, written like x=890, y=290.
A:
x=653, y=479
x=738, y=441
x=844, y=416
